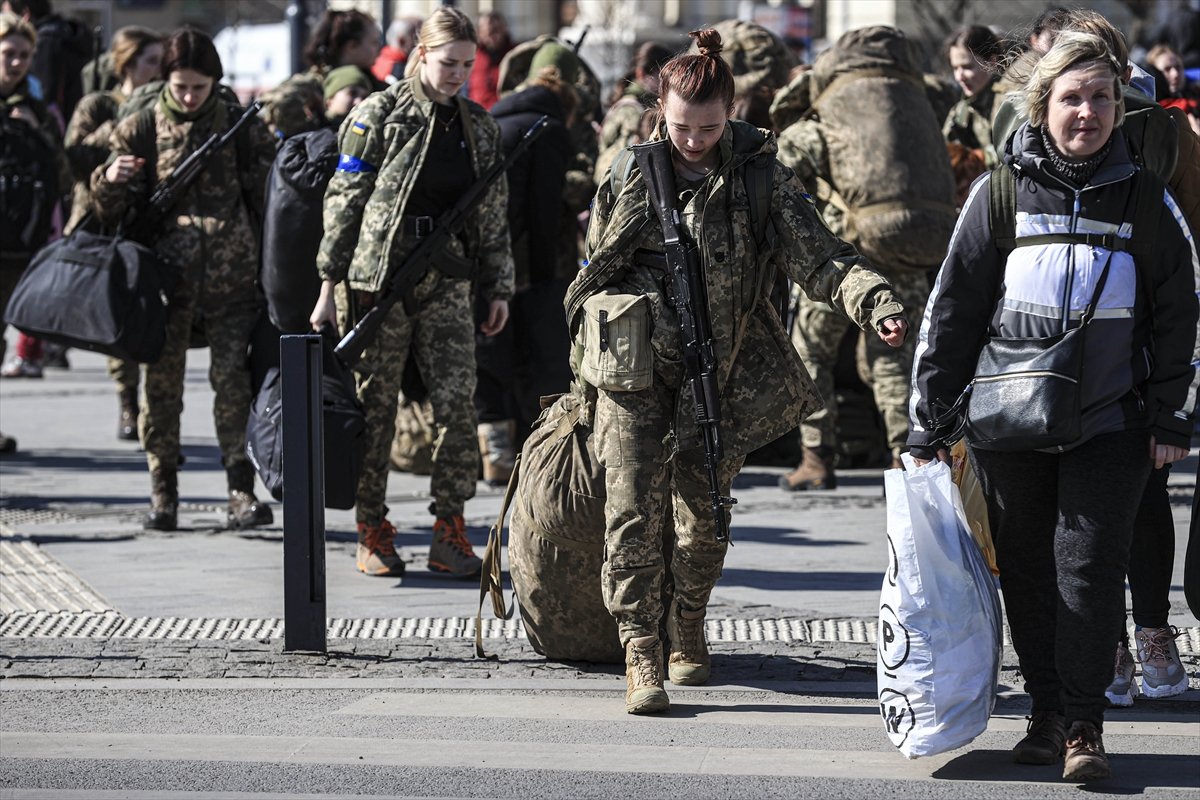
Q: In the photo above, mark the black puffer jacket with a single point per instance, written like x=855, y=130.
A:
x=292, y=227
x=536, y=181
x=1141, y=348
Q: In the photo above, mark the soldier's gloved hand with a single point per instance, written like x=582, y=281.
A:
x=894, y=331
x=497, y=317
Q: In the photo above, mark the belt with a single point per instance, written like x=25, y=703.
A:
x=418, y=227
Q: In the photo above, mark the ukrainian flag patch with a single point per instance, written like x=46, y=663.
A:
x=353, y=164
x=358, y=129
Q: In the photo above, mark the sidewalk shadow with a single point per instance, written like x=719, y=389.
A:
x=1133, y=773
x=198, y=458
x=785, y=536
x=803, y=581
x=693, y=711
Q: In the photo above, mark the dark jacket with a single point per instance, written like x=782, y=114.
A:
x=1139, y=350
x=536, y=181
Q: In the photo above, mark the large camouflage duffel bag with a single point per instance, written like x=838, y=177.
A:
x=555, y=542
x=889, y=173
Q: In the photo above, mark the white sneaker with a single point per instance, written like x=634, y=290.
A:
x=18, y=367
x=1163, y=674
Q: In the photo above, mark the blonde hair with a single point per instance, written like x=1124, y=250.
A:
x=1071, y=50
x=12, y=25
x=130, y=42
x=444, y=26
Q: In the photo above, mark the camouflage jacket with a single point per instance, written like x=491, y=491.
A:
x=970, y=124
x=620, y=127
x=765, y=391
x=212, y=232
x=383, y=144
x=86, y=144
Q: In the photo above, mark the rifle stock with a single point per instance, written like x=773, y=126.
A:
x=690, y=294
x=403, y=277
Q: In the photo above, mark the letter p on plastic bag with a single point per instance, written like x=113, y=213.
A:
x=940, y=629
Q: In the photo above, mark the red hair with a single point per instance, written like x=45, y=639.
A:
x=699, y=78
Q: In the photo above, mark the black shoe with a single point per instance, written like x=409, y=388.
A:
x=161, y=518
x=1044, y=742
x=246, y=511
x=55, y=356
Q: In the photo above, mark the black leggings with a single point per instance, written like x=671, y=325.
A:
x=1062, y=524
x=1152, y=554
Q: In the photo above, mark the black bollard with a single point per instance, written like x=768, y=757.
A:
x=303, y=494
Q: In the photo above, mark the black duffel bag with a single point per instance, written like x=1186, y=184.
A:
x=96, y=292
x=345, y=428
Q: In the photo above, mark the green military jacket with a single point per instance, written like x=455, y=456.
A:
x=383, y=144
x=970, y=124
x=86, y=145
x=212, y=234
x=765, y=390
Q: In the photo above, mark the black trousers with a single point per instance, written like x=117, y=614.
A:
x=1062, y=525
x=1152, y=553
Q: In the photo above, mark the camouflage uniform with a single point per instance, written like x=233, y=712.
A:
x=819, y=330
x=647, y=440
x=212, y=238
x=970, y=124
x=621, y=126
x=295, y=106
x=86, y=145
x=364, y=207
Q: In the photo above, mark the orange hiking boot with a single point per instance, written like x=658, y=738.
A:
x=451, y=552
x=376, y=553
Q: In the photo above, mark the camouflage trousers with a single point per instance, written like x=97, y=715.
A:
x=816, y=336
x=442, y=336
x=630, y=432
x=124, y=374
x=227, y=326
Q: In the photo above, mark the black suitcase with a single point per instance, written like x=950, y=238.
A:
x=345, y=425
x=96, y=292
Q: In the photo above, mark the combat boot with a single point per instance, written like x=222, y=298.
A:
x=127, y=419
x=815, y=472
x=376, y=553
x=689, y=663
x=245, y=510
x=644, y=692
x=164, y=501
x=497, y=445
x=451, y=552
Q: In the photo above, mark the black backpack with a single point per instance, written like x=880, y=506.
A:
x=28, y=187
x=64, y=47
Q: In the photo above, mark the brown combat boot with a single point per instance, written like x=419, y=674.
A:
x=127, y=419
x=644, y=692
x=1086, y=759
x=689, y=663
x=451, y=552
x=497, y=445
x=376, y=553
x=245, y=510
x=815, y=472
x=164, y=501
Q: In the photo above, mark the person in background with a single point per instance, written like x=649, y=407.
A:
x=344, y=87
x=401, y=36
x=1180, y=93
x=137, y=59
x=32, y=152
x=344, y=38
x=494, y=43
x=633, y=96
x=64, y=46
x=392, y=183
x=973, y=52
x=1063, y=519
x=212, y=236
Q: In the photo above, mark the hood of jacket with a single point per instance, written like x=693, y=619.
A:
x=534, y=100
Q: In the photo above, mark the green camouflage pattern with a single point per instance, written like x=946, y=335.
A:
x=363, y=210
x=766, y=392
x=969, y=123
x=756, y=56
x=295, y=106
x=817, y=335
x=125, y=374
x=442, y=338
x=212, y=239
x=86, y=146
x=620, y=129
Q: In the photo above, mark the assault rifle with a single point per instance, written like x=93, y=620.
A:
x=401, y=278
x=689, y=294
x=143, y=223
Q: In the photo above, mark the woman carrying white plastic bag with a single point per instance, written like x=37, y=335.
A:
x=939, y=618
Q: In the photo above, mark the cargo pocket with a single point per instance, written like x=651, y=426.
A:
x=616, y=342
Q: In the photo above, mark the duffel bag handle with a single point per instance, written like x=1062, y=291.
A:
x=490, y=576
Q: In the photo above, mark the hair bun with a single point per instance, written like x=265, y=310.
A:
x=708, y=41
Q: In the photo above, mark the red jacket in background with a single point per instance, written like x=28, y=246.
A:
x=389, y=63
x=483, y=85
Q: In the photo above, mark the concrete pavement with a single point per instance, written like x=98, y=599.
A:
x=148, y=663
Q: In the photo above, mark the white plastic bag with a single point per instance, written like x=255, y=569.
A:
x=940, y=627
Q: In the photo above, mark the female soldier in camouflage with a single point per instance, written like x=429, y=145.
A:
x=137, y=55
x=647, y=439
x=407, y=155
x=211, y=235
